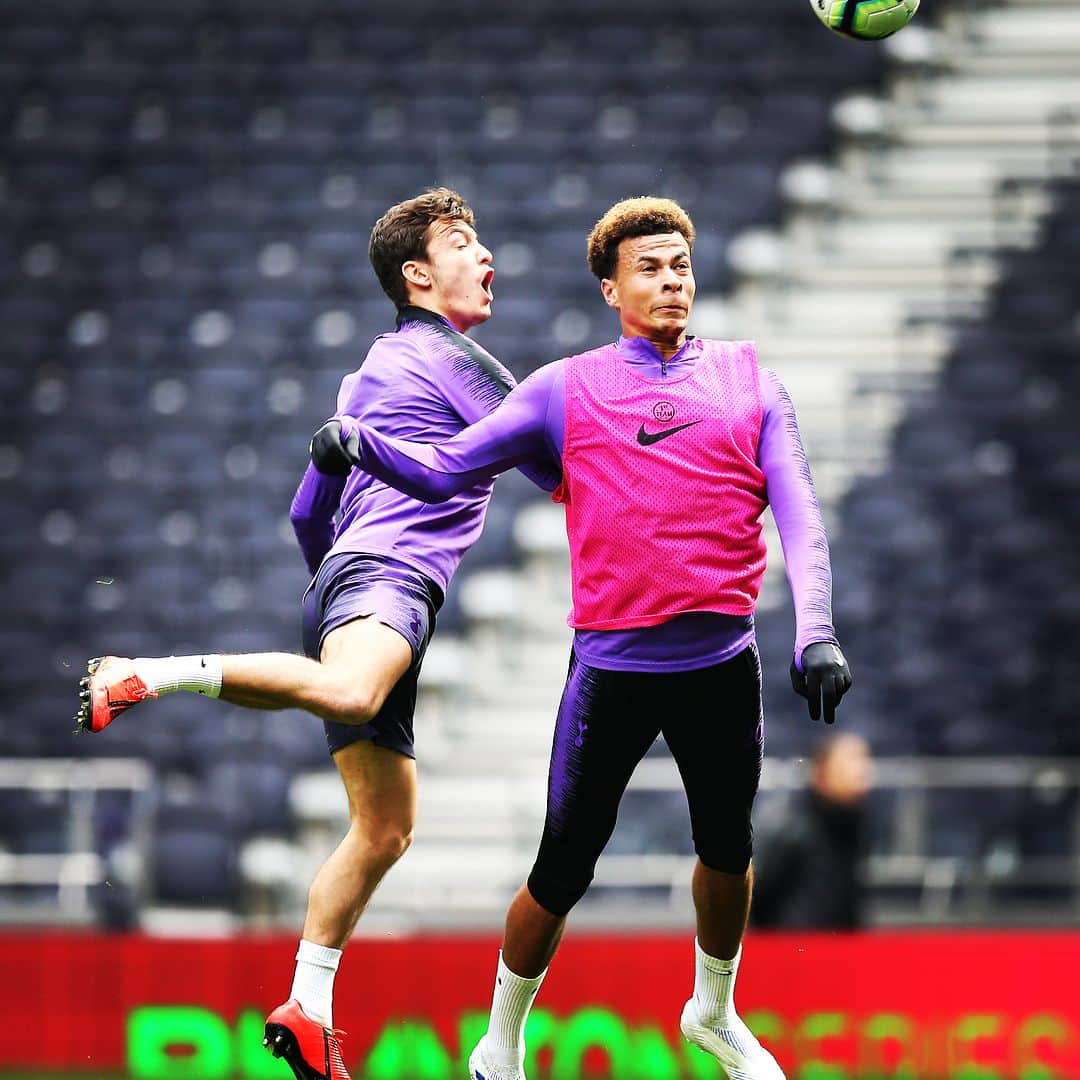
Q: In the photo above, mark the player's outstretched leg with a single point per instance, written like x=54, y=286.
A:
x=312, y=1051
x=115, y=683
x=110, y=687
x=710, y=1022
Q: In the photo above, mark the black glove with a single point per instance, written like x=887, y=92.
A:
x=824, y=679
x=329, y=455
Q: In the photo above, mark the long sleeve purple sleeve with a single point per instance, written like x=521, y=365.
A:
x=312, y=514
x=476, y=392
x=515, y=434
x=797, y=514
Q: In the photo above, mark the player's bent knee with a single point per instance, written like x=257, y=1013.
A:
x=377, y=852
x=724, y=841
x=351, y=705
x=557, y=893
x=726, y=858
x=387, y=846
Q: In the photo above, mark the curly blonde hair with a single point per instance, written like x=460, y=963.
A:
x=645, y=215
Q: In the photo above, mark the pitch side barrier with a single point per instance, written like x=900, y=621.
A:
x=977, y=1006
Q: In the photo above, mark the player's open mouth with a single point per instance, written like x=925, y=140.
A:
x=485, y=284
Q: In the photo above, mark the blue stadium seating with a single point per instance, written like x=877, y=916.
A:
x=152, y=152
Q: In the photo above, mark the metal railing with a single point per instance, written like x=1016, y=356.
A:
x=60, y=883
x=909, y=880
x=994, y=882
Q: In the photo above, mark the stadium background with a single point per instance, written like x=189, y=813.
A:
x=186, y=193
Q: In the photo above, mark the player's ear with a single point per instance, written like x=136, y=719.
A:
x=416, y=273
x=610, y=292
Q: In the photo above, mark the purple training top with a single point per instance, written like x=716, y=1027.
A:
x=423, y=381
x=529, y=426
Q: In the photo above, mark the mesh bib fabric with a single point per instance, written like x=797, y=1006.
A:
x=662, y=489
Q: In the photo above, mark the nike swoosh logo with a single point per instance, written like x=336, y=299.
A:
x=647, y=439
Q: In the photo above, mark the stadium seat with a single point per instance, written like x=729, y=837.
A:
x=194, y=859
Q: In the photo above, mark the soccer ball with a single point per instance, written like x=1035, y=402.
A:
x=865, y=20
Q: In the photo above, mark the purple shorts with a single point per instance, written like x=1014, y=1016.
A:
x=351, y=585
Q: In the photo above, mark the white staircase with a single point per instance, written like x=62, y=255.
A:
x=851, y=300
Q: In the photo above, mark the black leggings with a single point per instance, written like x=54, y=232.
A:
x=712, y=721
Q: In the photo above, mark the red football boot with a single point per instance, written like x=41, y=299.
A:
x=312, y=1051
x=111, y=687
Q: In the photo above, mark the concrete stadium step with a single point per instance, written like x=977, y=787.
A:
x=822, y=312
x=1051, y=61
x=1017, y=26
x=896, y=242
x=997, y=100
x=875, y=345
x=951, y=172
x=911, y=281
x=1029, y=136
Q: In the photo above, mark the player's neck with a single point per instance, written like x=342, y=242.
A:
x=434, y=310
x=664, y=344
x=456, y=321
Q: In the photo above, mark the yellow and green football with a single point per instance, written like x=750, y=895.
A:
x=865, y=20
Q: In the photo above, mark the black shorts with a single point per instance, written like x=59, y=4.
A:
x=350, y=586
x=711, y=719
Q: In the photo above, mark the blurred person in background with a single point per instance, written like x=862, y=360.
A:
x=812, y=848
x=671, y=446
x=380, y=575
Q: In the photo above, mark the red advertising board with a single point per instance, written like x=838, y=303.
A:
x=978, y=1006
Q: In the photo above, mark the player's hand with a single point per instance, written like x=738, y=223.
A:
x=330, y=453
x=824, y=679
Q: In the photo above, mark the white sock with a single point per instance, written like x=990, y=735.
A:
x=313, y=983
x=510, y=1004
x=166, y=674
x=714, y=986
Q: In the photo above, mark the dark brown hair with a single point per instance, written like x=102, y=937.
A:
x=401, y=234
x=641, y=216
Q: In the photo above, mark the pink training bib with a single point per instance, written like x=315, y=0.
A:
x=662, y=489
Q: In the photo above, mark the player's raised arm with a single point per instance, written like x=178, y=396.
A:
x=819, y=671
x=514, y=434
x=476, y=384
